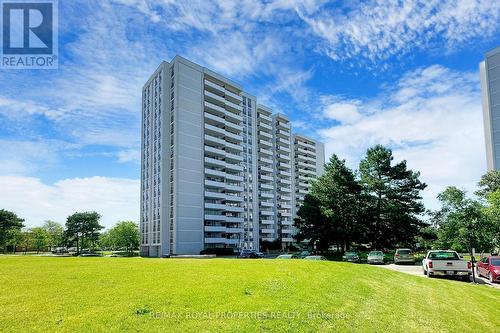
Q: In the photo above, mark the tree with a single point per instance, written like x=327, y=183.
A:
x=330, y=213
x=126, y=235
x=83, y=228
x=55, y=233
x=462, y=223
x=27, y=240
x=492, y=212
x=40, y=239
x=14, y=238
x=490, y=182
x=105, y=241
x=392, y=194
x=8, y=221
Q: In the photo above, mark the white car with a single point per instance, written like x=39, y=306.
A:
x=446, y=263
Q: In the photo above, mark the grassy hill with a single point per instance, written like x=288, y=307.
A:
x=43, y=294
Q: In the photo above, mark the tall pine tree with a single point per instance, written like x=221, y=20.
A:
x=392, y=198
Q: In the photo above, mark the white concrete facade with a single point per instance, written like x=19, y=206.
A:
x=309, y=163
x=489, y=71
x=217, y=169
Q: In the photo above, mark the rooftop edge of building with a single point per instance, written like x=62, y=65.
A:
x=491, y=52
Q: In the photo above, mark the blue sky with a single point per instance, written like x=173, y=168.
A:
x=352, y=74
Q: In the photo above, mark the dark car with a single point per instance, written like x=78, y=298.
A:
x=489, y=267
x=249, y=254
x=350, y=257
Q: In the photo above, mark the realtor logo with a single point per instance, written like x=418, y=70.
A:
x=29, y=34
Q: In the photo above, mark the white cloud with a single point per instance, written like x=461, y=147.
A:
x=114, y=198
x=379, y=29
x=433, y=119
x=346, y=112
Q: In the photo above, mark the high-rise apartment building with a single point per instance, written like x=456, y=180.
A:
x=490, y=85
x=217, y=168
x=309, y=163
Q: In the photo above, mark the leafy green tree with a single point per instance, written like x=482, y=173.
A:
x=105, y=241
x=462, y=223
x=392, y=196
x=14, y=238
x=330, y=214
x=27, y=240
x=492, y=211
x=8, y=221
x=125, y=234
x=40, y=239
x=55, y=233
x=83, y=229
x=312, y=226
x=490, y=182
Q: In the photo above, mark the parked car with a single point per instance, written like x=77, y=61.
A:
x=304, y=254
x=404, y=256
x=249, y=254
x=446, y=263
x=489, y=267
x=287, y=256
x=350, y=257
x=315, y=258
x=375, y=257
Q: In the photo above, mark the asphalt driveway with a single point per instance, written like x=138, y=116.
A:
x=417, y=270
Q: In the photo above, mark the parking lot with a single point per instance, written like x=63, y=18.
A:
x=417, y=270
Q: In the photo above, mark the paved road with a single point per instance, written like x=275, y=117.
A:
x=417, y=270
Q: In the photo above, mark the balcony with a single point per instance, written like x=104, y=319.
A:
x=264, y=117
x=307, y=145
x=265, y=134
x=234, y=188
x=213, y=98
x=214, y=109
x=266, y=186
x=216, y=184
x=217, y=195
x=214, y=87
x=267, y=231
x=287, y=239
x=213, y=161
x=283, y=157
x=213, y=228
x=234, y=97
x=265, y=126
x=234, y=230
x=233, y=107
x=268, y=222
x=283, y=126
x=215, y=217
x=265, y=152
x=266, y=204
x=233, y=177
x=282, y=141
x=264, y=177
x=233, y=198
x=266, y=195
x=234, y=219
x=283, y=134
x=215, y=240
x=265, y=160
x=213, y=172
x=222, y=142
x=265, y=143
x=266, y=213
x=265, y=169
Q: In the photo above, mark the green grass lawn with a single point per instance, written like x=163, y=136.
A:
x=46, y=294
